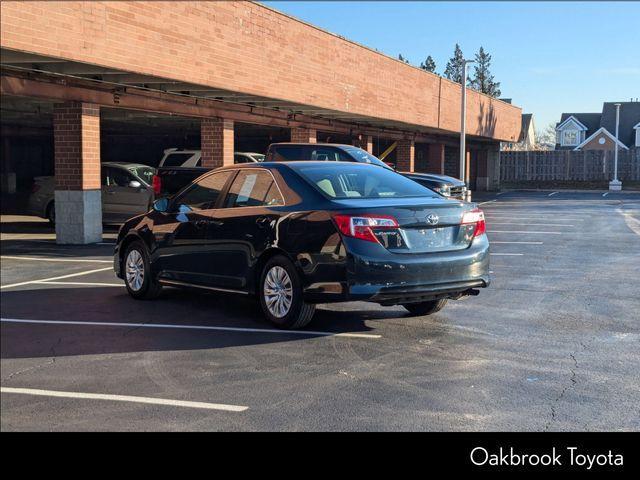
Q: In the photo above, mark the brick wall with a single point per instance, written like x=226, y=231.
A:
x=76, y=133
x=303, y=135
x=405, y=159
x=249, y=48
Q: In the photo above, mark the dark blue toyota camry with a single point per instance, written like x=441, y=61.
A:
x=294, y=234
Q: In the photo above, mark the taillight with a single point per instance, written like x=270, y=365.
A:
x=35, y=187
x=475, y=216
x=362, y=226
x=156, y=184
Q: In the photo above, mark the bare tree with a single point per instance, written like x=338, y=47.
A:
x=546, y=138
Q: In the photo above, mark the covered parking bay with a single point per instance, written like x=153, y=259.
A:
x=65, y=110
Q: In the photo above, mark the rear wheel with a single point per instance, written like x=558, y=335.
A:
x=281, y=295
x=425, y=308
x=138, y=279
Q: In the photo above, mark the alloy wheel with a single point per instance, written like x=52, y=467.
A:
x=135, y=270
x=278, y=291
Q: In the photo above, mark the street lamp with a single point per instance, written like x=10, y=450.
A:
x=463, y=124
x=616, y=184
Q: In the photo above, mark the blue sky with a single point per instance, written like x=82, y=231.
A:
x=550, y=57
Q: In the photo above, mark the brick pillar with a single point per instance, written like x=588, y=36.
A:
x=216, y=142
x=78, y=199
x=493, y=167
x=303, y=135
x=364, y=142
x=482, y=174
x=405, y=157
x=435, y=158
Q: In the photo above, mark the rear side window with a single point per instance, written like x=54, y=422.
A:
x=253, y=188
x=204, y=194
x=114, y=177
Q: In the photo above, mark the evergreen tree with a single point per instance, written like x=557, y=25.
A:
x=429, y=65
x=482, y=79
x=402, y=59
x=453, y=71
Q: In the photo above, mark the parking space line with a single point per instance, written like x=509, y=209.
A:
x=124, y=398
x=552, y=194
x=51, y=259
x=89, y=284
x=489, y=201
x=520, y=243
x=196, y=327
x=523, y=231
x=39, y=280
x=605, y=194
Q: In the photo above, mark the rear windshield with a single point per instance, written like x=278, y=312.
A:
x=361, y=181
x=176, y=159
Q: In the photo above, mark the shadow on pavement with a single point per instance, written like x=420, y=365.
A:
x=175, y=306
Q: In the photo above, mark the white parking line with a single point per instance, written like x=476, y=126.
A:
x=124, y=398
x=552, y=194
x=40, y=280
x=533, y=224
x=195, y=327
x=605, y=194
x=489, y=201
x=539, y=217
x=520, y=243
x=51, y=259
x=87, y=284
x=523, y=231
x=508, y=254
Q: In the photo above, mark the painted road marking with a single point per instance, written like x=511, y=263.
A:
x=88, y=284
x=124, y=398
x=520, y=243
x=533, y=224
x=489, y=201
x=552, y=194
x=50, y=259
x=40, y=280
x=523, y=231
x=605, y=194
x=508, y=254
x=196, y=327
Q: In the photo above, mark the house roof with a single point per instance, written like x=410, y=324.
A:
x=629, y=116
x=607, y=133
x=589, y=120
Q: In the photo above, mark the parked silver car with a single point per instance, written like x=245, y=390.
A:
x=126, y=192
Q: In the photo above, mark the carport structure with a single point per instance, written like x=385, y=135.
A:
x=216, y=66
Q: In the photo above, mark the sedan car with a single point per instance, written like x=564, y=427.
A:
x=126, y=191
x=295, y=234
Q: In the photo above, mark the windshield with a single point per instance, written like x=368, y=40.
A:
x=144, y=173
x=361, y=181
x=363, y=156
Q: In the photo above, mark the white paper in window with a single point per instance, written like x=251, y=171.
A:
x=247, y=188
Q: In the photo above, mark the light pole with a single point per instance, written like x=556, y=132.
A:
x=616, y=184
x=463, y=123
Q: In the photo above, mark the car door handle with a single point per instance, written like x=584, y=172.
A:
x=201, y=223
x=111, y=192
x=262, y=221
x=217, y=223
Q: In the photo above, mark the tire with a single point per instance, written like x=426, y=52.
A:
x=280, y=282
x=51, y=213
x=136, y=260
x=425, y=308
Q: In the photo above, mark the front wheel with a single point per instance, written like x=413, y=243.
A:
x=138, y=279
x=425, y=308
x=281, y=295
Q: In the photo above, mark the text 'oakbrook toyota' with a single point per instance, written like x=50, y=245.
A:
x=294, y=234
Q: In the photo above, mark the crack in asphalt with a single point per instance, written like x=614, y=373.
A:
x=51, y=361
x=572, y=383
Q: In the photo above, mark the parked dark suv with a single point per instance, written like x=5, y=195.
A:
x=442, y=184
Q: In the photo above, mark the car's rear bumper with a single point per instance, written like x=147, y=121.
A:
x=375, y=274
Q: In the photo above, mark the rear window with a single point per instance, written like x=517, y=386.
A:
x=176, y=159
x=361, y=181
x=144, y=173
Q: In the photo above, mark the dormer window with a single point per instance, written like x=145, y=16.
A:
x=570, y=137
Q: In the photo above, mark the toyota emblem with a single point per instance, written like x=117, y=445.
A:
x=432, y=219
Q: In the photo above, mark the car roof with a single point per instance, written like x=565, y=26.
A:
x=337, y=145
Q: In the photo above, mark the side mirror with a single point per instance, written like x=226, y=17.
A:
x=161, y=205
x=134, y=184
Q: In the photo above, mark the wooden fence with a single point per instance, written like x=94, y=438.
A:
x=569, y=166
